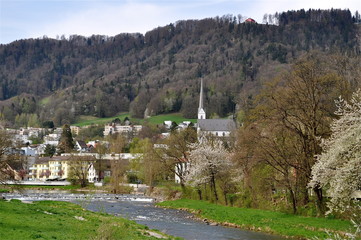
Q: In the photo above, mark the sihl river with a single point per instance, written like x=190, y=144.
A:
x=142, y=210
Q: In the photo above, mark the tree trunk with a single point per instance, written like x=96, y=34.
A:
x=225, y=199
x=293, y=199
x=199, y=191
x=213, y=187
x=319, y=201
x=183, y=187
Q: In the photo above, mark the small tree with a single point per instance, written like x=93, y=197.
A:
x=209, y=161
x=147, y=166
x=49, y=150
x=5, y=144
x=66, y=143
x=175, y=150
x=61, y=173
x=79, y=168
x=119, y=168
x=47, y=173
x=22, y=174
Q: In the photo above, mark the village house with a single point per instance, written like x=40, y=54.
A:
x=81, y=146
x=114, y=128
x=58, y=167
x=75, y=130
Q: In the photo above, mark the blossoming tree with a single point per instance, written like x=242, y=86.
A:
x=338, y=168
x=209, y=161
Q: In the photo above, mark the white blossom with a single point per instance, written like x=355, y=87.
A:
x=338, y=168
x=208, y=159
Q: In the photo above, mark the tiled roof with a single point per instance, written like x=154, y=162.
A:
x=216, y=124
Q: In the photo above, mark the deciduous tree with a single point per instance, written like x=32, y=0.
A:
x=174, y=152
x=338, y=167
x=79, y=168
x=209, y=161
x=296, y=109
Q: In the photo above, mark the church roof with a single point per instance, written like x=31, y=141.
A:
x=216, y=124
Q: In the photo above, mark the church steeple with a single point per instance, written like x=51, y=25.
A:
x=201, y=112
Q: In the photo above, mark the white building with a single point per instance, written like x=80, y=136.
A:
x=123, y=129
x=213, y=127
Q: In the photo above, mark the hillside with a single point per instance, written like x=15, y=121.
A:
x=59, y=80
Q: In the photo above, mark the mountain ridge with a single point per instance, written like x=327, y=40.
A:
x=160, y=71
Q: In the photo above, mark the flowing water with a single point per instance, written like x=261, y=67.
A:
x=142, y=210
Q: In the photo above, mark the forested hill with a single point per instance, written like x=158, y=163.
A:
x=160, y=71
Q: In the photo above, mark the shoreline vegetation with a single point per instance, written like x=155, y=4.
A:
x=276, y=223
x=64, y=220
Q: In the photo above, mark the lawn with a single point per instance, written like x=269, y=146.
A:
x=89, y=120
x=266, y=221
x=159, y=119
x=174, y=117
x=63, y=220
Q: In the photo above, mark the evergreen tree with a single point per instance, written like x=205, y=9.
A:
x=49, y=150
x=66, y=143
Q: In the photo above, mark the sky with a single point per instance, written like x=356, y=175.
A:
x=21, y=19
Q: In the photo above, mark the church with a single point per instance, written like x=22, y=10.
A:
x=213, y=127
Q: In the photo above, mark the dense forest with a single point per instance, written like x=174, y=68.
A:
x=159, y=72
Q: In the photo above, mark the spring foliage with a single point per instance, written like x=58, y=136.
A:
x=209, y=160
x=338, y=168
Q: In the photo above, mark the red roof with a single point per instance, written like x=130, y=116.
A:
x=250, y=20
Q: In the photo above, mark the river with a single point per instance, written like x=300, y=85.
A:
x=142, y=210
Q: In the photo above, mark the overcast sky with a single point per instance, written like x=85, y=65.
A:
x=21, y=19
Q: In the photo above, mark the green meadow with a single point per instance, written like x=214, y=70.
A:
x=63, y=220
x=159, y=119
x=277, y=223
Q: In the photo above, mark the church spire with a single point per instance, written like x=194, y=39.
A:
x=201, y=112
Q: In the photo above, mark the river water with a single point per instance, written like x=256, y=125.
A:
x=142, y=210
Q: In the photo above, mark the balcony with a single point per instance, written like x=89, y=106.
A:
x=32, y=168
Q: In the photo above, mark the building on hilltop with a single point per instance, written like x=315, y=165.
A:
x=250, y=20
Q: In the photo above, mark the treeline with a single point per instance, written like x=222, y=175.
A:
x=160, y=71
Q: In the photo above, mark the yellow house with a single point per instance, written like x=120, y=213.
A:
x=59, y=167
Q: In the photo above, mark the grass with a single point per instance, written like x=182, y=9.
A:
x=89, y=120
x=159, y=119
x=174, y=117
x=44, y=101
x=63, y=220
x=265, y=221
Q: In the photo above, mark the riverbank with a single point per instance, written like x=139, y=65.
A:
x=64, y=220
x=277, y=223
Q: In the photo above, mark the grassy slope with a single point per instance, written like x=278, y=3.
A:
x=89, y=120
x=175, y=117
x=62, y=220
x=265, y=221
